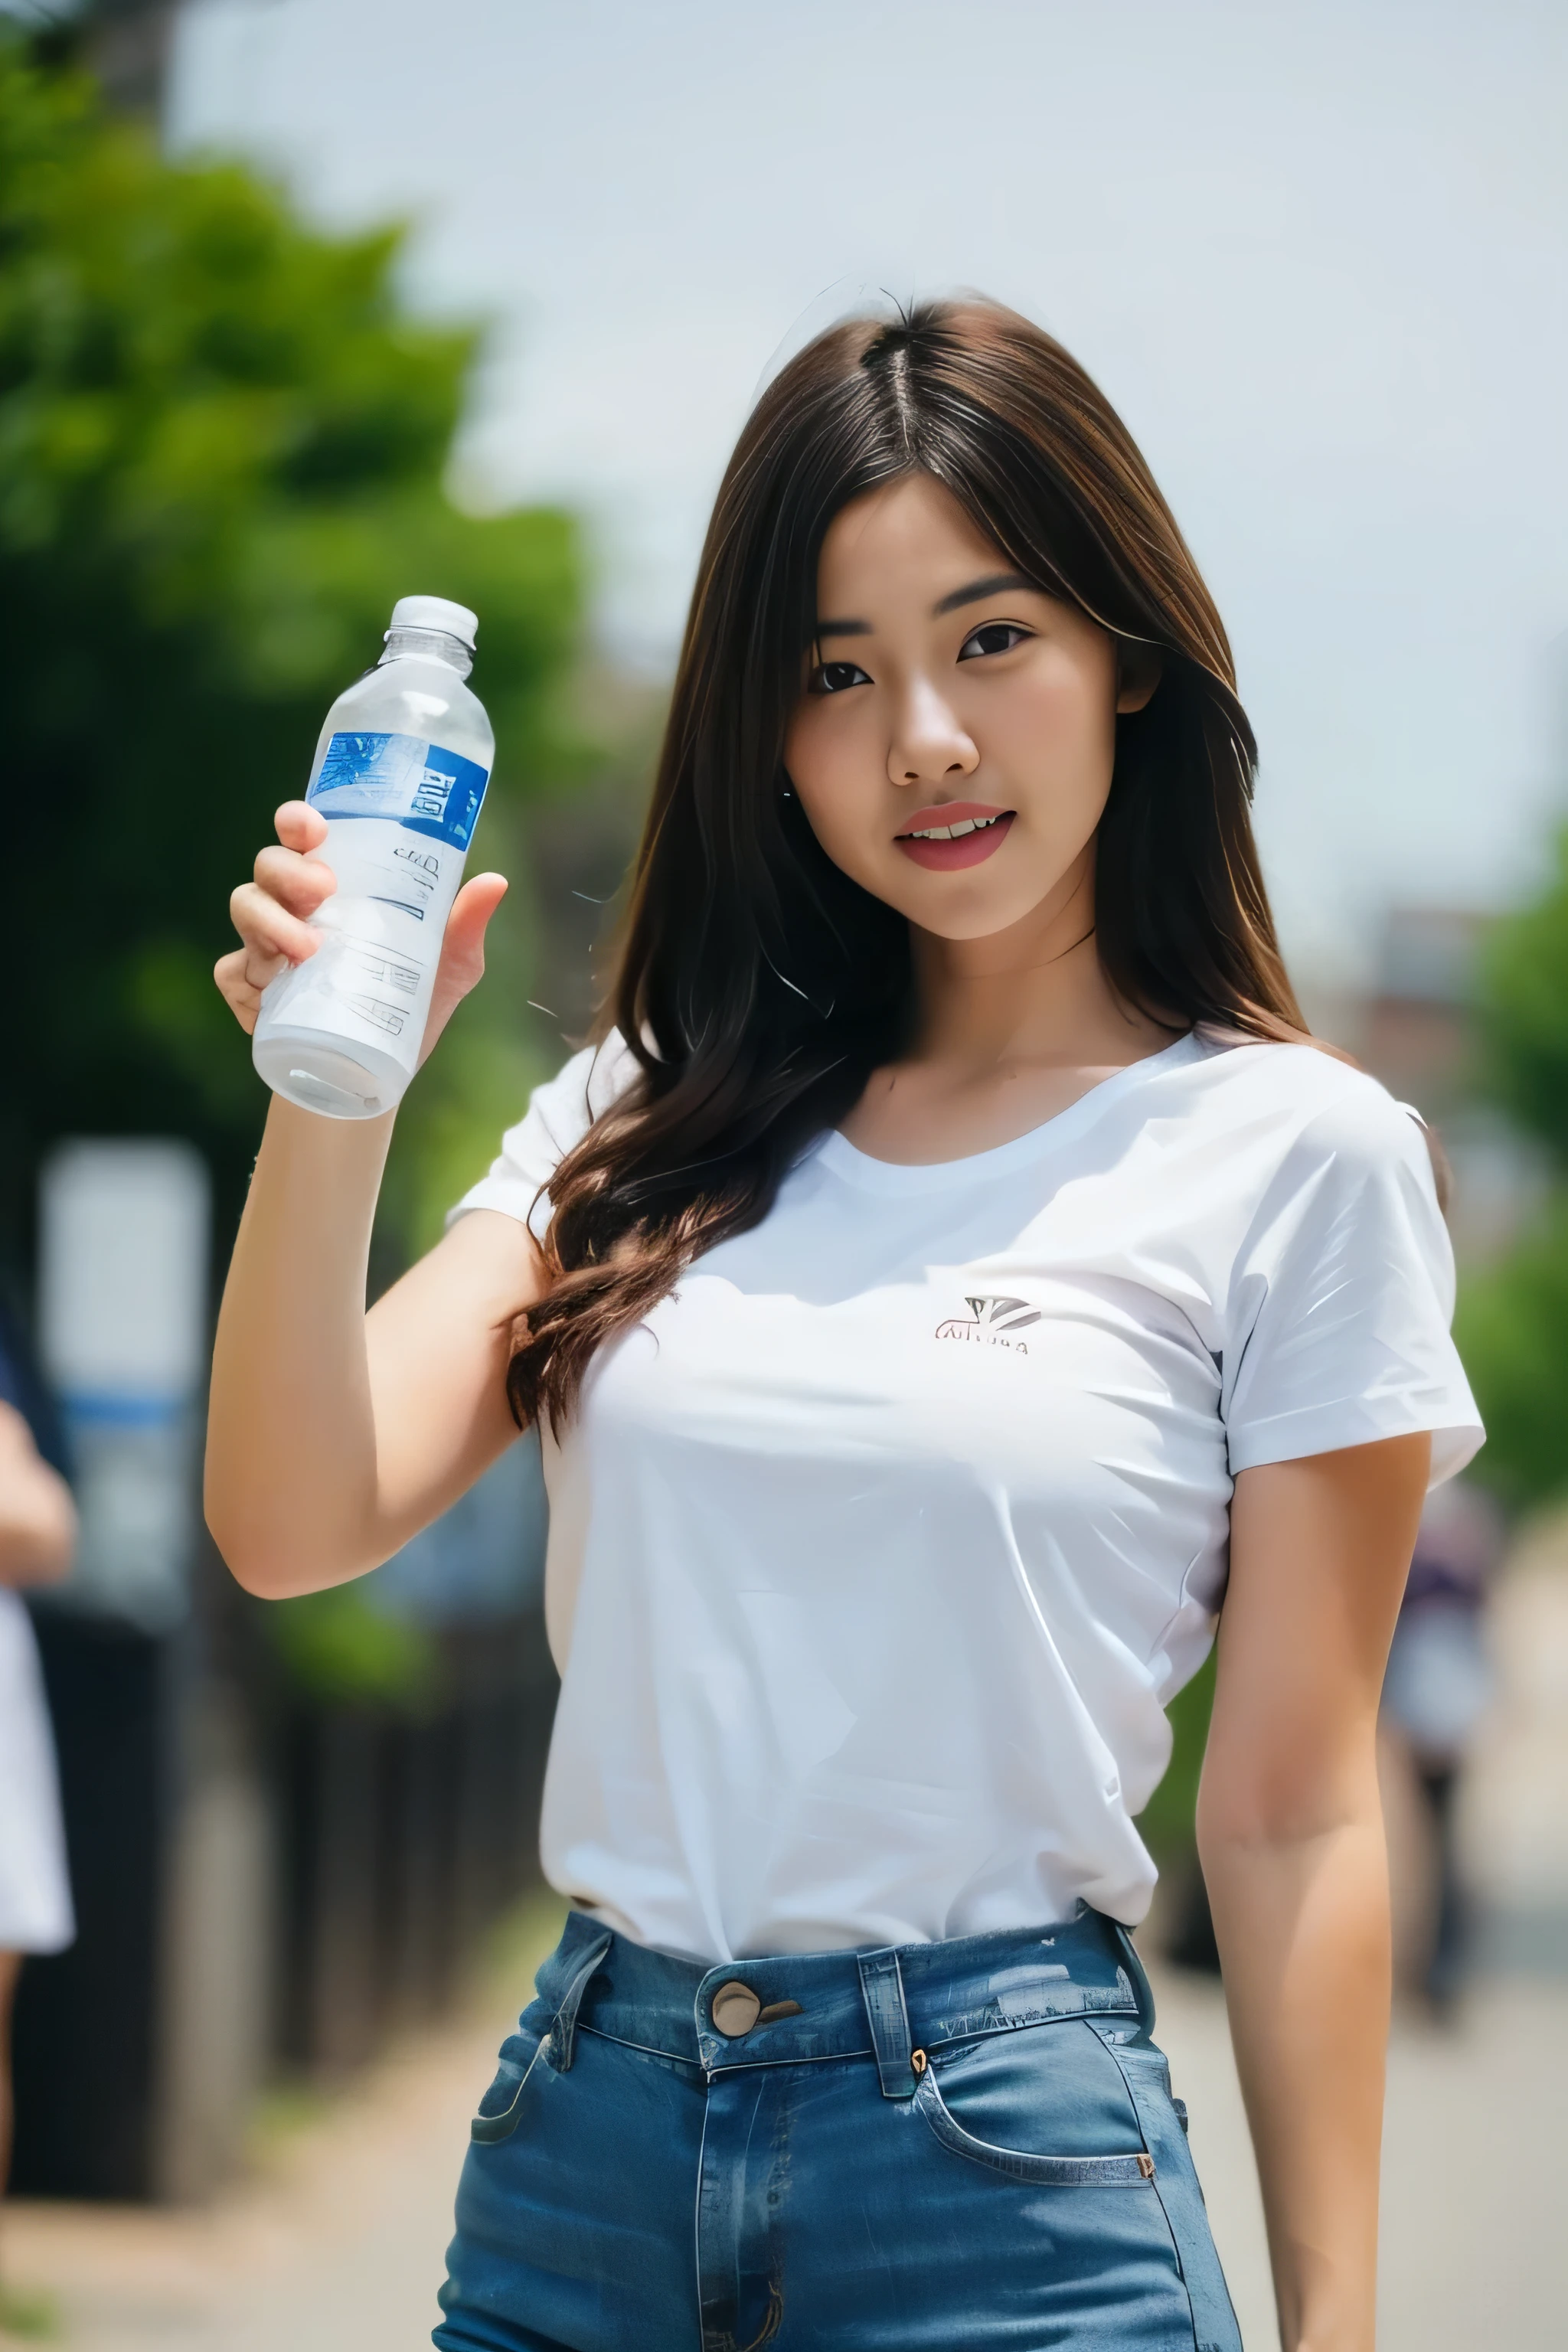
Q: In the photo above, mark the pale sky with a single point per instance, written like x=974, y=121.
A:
x=1317, y=254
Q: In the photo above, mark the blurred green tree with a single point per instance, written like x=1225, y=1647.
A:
x=1524, y=1009
x=1512, y=1324
x=222, y=446
x=1512, y=1330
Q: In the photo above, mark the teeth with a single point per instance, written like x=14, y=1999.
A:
x=952, y=832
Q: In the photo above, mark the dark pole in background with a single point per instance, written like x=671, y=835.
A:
x=127, y=45
x=154, y=2022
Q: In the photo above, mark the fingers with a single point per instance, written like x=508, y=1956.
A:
x=300, y=827
x=270, y=912
x=299, y=884
x=241, y=976
x=462, y=961
x=472, y=908
x=266, y=927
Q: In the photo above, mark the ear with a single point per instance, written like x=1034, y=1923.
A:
x=1139, y=669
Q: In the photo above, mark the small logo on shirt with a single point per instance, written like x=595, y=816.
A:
x=992, y=1323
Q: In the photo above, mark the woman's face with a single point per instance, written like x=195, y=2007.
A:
x=953, y=744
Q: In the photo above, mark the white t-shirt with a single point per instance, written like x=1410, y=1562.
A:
x=35, y=1885
x=878, y=1548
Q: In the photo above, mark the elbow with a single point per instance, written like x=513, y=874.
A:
x=267, y=1577
x=266, y=1571
x=51, y=1560
x=263, y=1579
x=252, y=1566
x=258, y=1565
x=38, y=1556
x=281, y=1537
x=273, y=1564
x=38, y=1545
x=1290, y=1803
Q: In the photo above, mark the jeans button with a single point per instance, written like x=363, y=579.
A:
x=734, y=2009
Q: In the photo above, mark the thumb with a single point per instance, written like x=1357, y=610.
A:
x=462, y=961
x=472, y=908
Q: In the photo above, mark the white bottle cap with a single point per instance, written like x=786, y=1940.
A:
x=435, y=612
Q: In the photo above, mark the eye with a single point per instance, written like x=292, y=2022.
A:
x=993, y=637
x=835, y=678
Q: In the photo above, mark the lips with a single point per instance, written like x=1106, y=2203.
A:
x=955, y=834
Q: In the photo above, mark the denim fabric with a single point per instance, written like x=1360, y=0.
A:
x=949, y=2148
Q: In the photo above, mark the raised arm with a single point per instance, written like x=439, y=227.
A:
x=1291, y=1839
x=332, y=1435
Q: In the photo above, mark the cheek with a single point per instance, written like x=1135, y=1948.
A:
x=1058, y=738
x=828, y=768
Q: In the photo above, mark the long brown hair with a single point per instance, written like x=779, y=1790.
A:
x=758, y=986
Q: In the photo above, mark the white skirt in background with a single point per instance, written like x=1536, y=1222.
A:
x=34, y=1887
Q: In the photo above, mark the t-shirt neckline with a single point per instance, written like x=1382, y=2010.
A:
x=847, y=1158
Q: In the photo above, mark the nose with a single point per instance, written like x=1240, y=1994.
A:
x=929, y=743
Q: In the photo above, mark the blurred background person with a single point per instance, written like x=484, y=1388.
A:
x=38, y=1533
x=1436, y=1695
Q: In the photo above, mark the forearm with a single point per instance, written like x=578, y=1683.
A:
x=38, y=1524
x=1302, y=1923
x=291, y=1480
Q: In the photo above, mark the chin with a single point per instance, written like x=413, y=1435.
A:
x=949, y=914
x=978, y=926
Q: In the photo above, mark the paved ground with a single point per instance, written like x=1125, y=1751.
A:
x=1472, y=2250
x=335, y=2244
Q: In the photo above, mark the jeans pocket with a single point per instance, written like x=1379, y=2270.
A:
x=501, y=2109
x=1162, y=2122
x=1041, y=2104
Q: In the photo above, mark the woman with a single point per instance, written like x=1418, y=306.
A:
x=37, y=1536
x=954, y=1254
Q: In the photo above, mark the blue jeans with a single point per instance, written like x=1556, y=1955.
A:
x=958, y=2146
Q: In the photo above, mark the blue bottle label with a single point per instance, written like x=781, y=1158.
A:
x=406, y=781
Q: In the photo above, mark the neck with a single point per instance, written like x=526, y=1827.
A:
x=1035, y=992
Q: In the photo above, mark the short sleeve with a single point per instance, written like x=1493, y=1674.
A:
x=1337, y=1327
x=558, y=1116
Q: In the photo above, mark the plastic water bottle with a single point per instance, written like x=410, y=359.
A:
x=399, y=775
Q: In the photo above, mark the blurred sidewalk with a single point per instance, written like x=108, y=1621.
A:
x=1471, y=2206
x=336, y=2244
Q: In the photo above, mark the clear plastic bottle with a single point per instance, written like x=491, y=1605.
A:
x=399, y=775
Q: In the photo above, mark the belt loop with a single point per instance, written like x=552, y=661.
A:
x=882, y=1989
x=1133, y=1969
x=563, y=2027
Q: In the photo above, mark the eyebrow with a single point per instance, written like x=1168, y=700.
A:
x=993, y=585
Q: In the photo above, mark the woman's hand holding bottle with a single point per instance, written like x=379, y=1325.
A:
x=289, y=884
x=331, y=1438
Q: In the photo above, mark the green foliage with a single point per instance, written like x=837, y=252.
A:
x=1512, y=1319
x=1512, y=1332
x=1166, y=1822
x=222, y=445
x=340, y=1651
x=1524, y=1009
